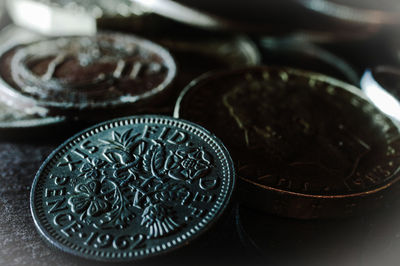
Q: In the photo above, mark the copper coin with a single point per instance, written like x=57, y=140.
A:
x=305, y=145
x=75, y=74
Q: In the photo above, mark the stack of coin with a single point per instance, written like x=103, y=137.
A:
x=179, y=99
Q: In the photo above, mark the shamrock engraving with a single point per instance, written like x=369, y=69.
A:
x=136, y=178
x=88, y=201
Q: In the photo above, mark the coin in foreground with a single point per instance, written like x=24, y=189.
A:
x=305, y=145
x=131, y=188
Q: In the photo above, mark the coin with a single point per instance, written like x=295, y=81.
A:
x=305, y=145
x=357, y=11
x=12, y=118
x=272, y=18
x=302, y=54
x=69, y=75
x=66, y=17
x=131, y=188
x=198, y=55
x=382, y=86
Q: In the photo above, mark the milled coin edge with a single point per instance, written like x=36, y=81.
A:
x=208, y=223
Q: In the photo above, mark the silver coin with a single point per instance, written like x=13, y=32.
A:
x=66, y=75
x=12, y=117
x=132, y=188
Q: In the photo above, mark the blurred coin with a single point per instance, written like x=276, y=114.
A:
x=357, y=11
x=308, y=56
x=274, y=18
x=382, y=86
x=305, y=145
x=66, y=17
x=132, y=188
x=70, y=75
x=197, y=55
x=12, y=118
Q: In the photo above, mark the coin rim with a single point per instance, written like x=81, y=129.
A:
x=214, y=75
x=230, y=181
x=9, y=33
x=143, y=43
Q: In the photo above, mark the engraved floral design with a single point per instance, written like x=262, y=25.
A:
x=188, y=164
x=136, y=178
x=92, y=168
x=88, y=201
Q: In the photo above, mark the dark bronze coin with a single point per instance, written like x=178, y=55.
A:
x=305, y=145
x=131, y=188
x=87, y=73
x=382, y=86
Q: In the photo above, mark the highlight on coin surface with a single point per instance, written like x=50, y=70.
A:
x=382, y=86
x=132, y=188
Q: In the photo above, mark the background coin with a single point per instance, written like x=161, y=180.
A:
x=291, y=52
x=115, y=70
x=131, y=188
x=12, y=118
x=66, y=17
x=198, y=54
x=357, y=11
x=273, y=18
x=305, y=145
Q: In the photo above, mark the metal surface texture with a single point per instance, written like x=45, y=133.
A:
x=305, y=145
x=132, y=188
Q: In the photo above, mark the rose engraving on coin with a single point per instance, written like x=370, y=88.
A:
x=105, y=70
x=132, y=187
x=297, y=135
